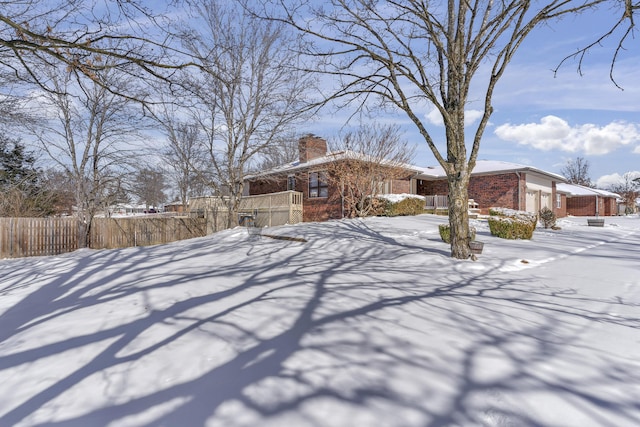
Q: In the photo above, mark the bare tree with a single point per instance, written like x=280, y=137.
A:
x=149, y=186
x=366, y=160
x=629, y=189
x=623, y=29
x=73, y=33
x=281, y=152
x=249, y=93
x=409, y=53
x=89, y=133
x=576, y=171
x=184, y=157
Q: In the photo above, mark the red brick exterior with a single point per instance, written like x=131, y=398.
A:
x=401, y=186
x=562, y=210
x=311, y=147
x=586, y=206
x=314, y=208
x=486, y=190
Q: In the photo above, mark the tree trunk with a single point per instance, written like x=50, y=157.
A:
x=459, y=215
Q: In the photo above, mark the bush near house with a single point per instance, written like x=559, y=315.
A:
x=402, y=206
x=512, y=224
x=445, y=233
x=547, y=217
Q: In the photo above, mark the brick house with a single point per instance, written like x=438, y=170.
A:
x=501, y=184
x=585, y=201
x=492, y=184
x=309, y=175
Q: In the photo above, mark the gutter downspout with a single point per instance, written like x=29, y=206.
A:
x=519, y=198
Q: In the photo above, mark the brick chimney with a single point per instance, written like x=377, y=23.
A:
x=311, y=147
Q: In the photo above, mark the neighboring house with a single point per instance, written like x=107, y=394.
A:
x=586, y=201
x=500, y=184
x=176, y=206
x=309, y=175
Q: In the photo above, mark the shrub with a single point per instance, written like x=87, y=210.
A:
x=445, y=233
x=407, y=206
x=382, y=206
x=512, y=224
x=512, y=213
x=379, y=206
x=547, y=217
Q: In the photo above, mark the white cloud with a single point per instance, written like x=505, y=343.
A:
x=434, y=117
x=554, y=133
x=607, y=181
x=470, y=117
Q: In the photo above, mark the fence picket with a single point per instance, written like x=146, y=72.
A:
x=22, y=237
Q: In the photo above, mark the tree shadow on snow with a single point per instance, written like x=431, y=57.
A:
x=324, y=333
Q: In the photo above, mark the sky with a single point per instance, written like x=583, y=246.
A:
x=545, y=119
x=369, y=322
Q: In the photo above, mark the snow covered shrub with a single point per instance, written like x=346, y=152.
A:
x=512, y=224
x=445, y=233
x=398, y=205
x=406, y=206
x=547, y=217
x=512, y=213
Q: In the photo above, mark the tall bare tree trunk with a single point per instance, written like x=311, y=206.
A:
x=459, y=215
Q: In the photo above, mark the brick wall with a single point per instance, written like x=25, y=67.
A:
x=586, y=206
x=401, y=186
x=487, y=190
x=266, y=186
x=562, y=210
x=581, y=205
x=314, y=208
x=311, y=147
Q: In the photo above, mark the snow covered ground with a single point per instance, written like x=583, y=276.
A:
x=368, y=323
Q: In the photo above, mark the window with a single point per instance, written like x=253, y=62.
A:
x=318, y=186
x=558, y=201
x=291, y=183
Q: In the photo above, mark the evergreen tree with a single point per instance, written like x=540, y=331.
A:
x=21, y=191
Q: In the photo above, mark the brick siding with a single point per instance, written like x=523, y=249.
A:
x=562, y=210
x=586, y=206
x=486, y=190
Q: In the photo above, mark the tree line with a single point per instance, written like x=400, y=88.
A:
x=229, y=83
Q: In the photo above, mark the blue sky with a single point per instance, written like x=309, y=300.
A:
x=544, y=120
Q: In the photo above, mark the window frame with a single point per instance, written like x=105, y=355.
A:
x=318, y=185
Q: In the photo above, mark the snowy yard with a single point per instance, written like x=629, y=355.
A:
x=368, y=323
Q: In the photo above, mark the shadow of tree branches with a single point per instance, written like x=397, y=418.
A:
x=314, y=334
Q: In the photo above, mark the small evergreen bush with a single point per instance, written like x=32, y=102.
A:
x=547, y=217
x=445, y=233
x=512, y=224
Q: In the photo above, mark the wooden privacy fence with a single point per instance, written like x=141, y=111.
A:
x=110, y=233
x=21, y=237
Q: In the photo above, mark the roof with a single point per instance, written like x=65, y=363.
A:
x=581, y=190
x=489, y=167
x=483, y=167
x=330, y=157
